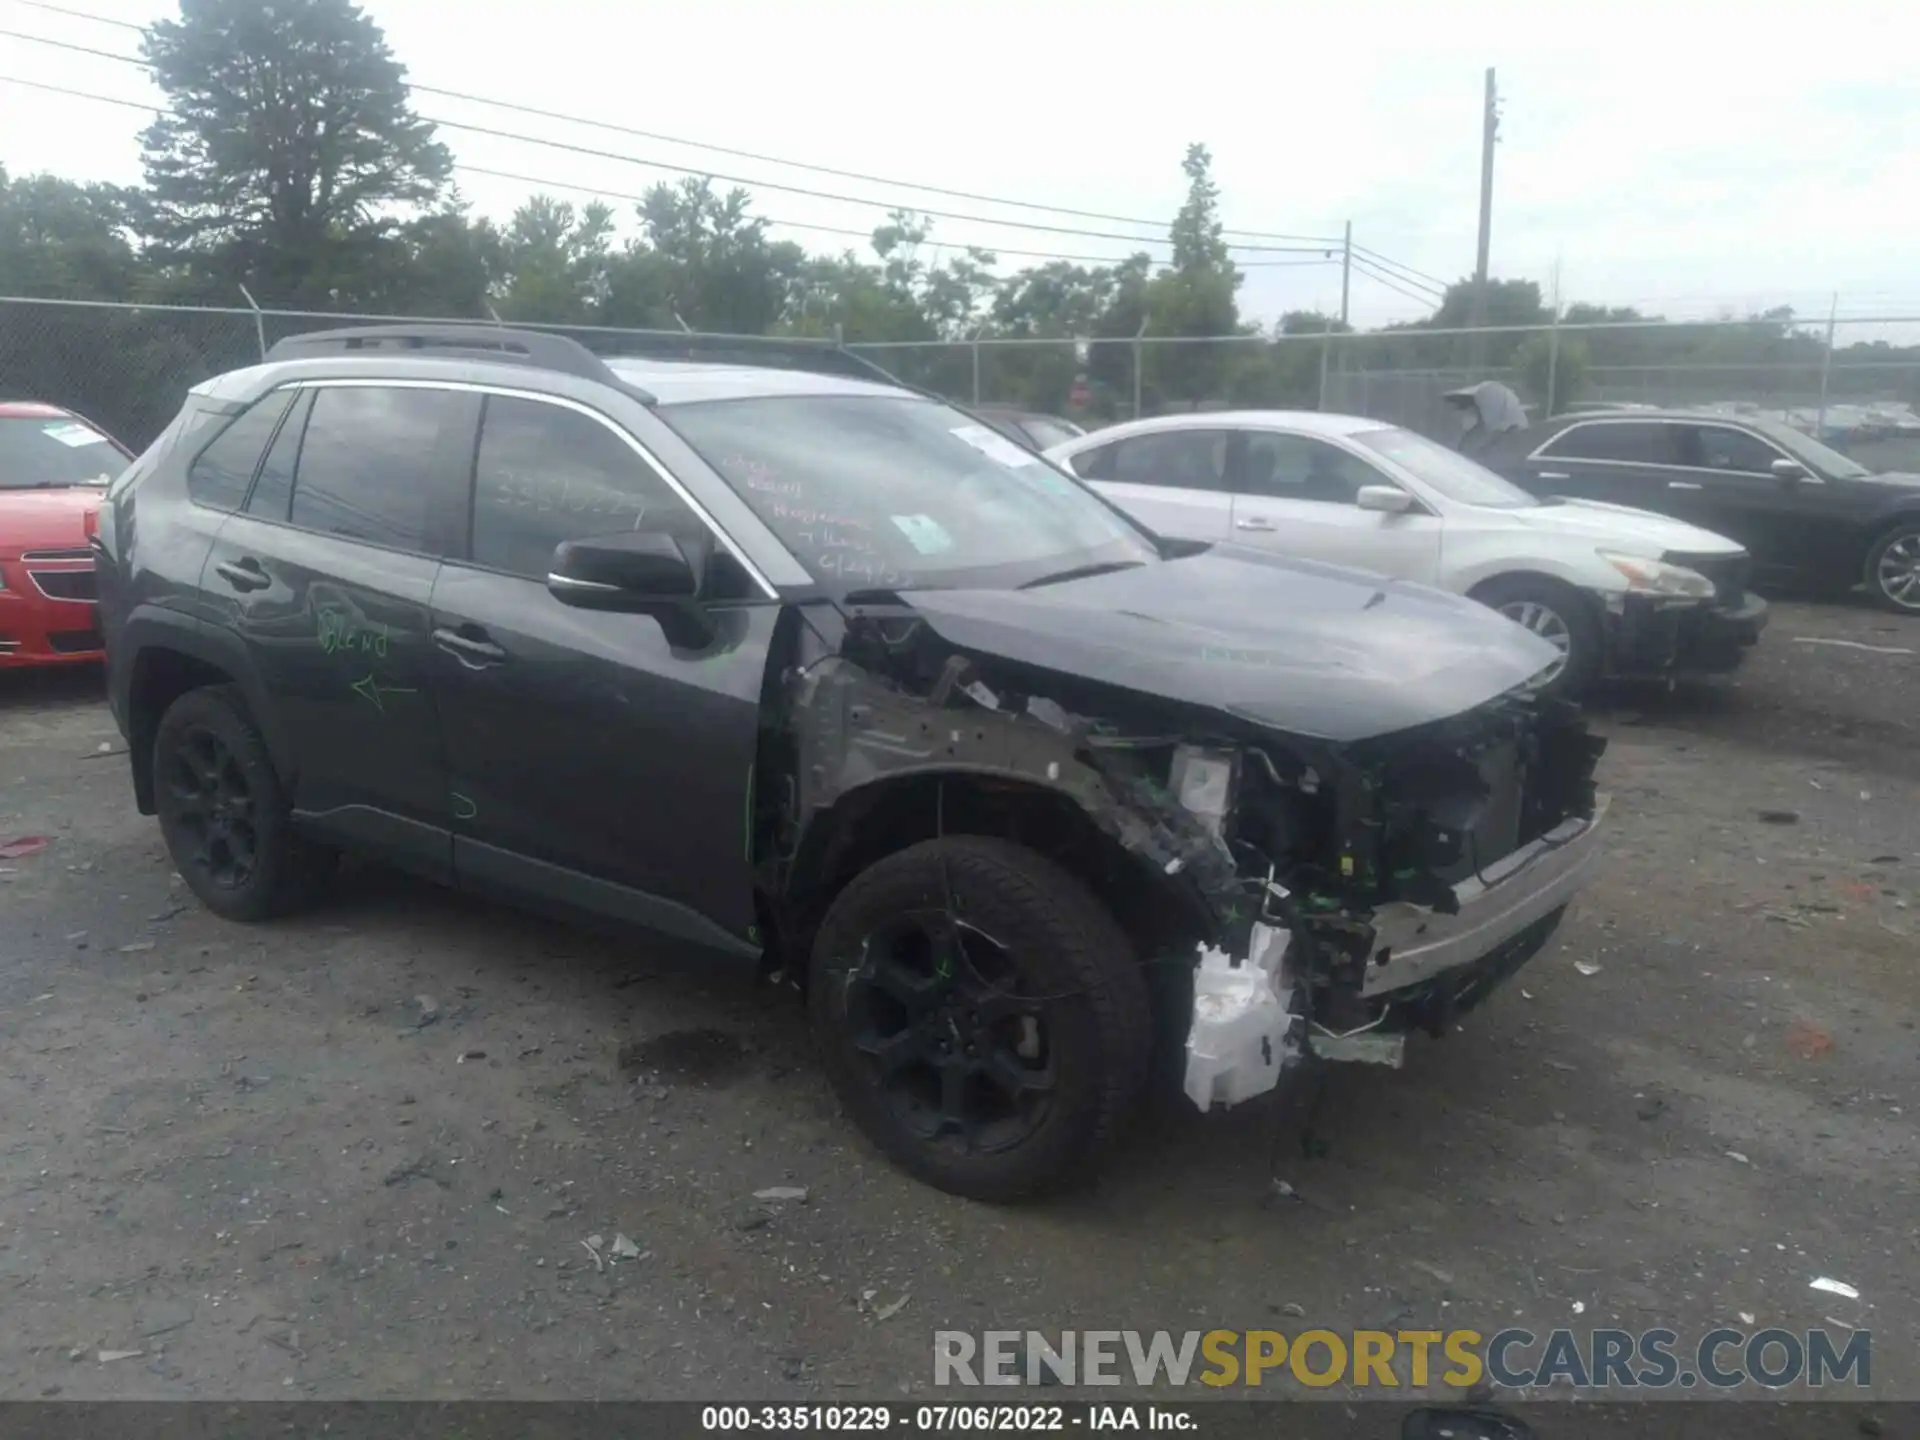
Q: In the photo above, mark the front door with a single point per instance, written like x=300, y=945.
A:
x=326, y=573
x=592, y=763
x=1621, y=461
x=1788, y=524
x=1296, y=495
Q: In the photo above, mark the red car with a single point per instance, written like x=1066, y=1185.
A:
x=53, y=467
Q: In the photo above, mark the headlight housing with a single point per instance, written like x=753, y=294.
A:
x=1657, y=577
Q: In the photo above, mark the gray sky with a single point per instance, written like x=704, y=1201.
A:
x=1690, y=157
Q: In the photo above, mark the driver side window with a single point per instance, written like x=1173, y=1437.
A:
x=1720, y=447
x=1295, y=467
x=545, y=474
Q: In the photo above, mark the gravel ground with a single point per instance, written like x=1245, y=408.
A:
x=361, y=1154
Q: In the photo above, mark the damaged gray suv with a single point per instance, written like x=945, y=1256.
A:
x=762, y=650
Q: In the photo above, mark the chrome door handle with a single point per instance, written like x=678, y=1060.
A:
x=1254, y=522
x=469, y=651
x=1554, y=475
x=1683, y=485
x=243, y=574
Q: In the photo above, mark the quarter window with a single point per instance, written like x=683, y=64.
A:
x=218, y=479
x=273, y=488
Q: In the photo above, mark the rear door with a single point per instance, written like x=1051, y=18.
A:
x=326, y=573
x=1295, y=494
x=1173, y=481
x=593, y=764
x=1621, y=461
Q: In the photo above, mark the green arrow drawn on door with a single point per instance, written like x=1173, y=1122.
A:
x=373, y=690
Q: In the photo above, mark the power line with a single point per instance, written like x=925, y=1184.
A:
x=756, y=155
x=1379, y=278
x=607, y=194
x=598, y=154
x=1404, y=271
x=544, y=183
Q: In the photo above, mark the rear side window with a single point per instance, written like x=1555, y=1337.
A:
x=1174, y=459
x=370, y=459
x=1638, y=442
x=218, y=479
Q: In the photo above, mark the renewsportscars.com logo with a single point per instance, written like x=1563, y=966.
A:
x=1390, y=1359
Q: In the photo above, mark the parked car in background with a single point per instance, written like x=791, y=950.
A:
x=823, y=675
x=1806, y=513
x=53, y=467
x=1618, y=592
x=1028, y=427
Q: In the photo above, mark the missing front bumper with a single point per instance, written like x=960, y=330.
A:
x=1412, y=944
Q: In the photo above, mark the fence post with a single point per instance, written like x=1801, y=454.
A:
x=1553, y=366
x=259, y=320
x=1139, y=363
x=1826, y=368
x=1326, y=344
x=975, y=342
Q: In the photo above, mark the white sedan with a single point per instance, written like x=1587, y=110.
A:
x=1620, y=592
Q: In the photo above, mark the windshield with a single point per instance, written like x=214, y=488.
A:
x=41, y=451
x=1821, y=459
x=1448, y=471
x=900, y=492
x=1047, y=433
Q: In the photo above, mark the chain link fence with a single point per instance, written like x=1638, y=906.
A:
x=1854, y=380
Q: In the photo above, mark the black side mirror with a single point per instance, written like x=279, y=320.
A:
x=639, y=572
x=1785, y=469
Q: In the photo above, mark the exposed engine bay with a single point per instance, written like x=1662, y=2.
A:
x=1326, y=896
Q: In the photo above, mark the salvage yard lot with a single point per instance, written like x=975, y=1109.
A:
x=359, y=1154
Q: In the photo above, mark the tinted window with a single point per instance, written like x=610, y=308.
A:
x=219, y=478
x=1644, y=442
x=1175, y=459
x=1720, y=447
x=369, y=459
x=893, y=490
x=274, y=487
x=547, y=474
x=1293, y=467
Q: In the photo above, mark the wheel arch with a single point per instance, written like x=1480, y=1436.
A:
x=887, y=814
x=172, y=655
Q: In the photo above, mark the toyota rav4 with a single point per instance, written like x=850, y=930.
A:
x=773, y=654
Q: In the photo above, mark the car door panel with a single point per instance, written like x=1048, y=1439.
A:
x=1295, y=495
x=335, y=623
x=1789, y=525
x=592, y=763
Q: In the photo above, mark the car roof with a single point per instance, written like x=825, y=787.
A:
x=681, y=382
x=1640, y=412
x=1305, y=422
x=33, y=410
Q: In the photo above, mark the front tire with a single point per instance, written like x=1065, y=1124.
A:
x=1892, y=570
x=982, y=1016
x=224, y=814
x=1559, y=615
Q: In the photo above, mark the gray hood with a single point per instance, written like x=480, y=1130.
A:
x=1311, y=650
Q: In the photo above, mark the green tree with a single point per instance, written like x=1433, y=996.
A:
x=62, y=239
x=552, y=263
x=706, y=260
x=1194, y=296
x=290, y=144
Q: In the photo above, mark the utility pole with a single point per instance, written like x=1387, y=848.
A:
x=1489, y=133
x=1346, y=272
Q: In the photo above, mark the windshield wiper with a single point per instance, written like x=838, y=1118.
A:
x=1081, y=572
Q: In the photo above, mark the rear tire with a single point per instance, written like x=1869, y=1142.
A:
x=1558, y=614
x=224, y=814
x=993, y=1047
x=1892, y=571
